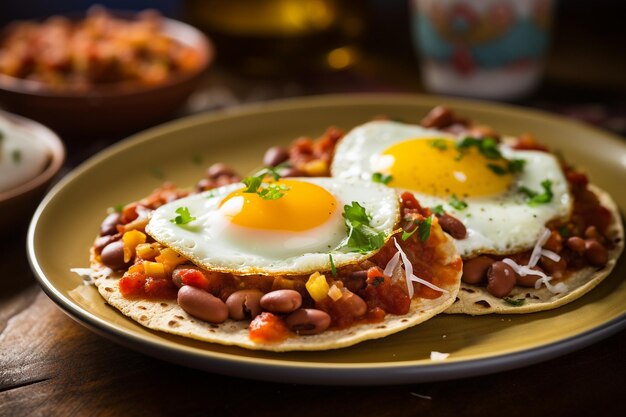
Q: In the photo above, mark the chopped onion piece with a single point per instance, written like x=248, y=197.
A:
x=408, y=272
x=392, y=264
x=550, y=255
x=536, y=254
x=335, y=293
x=438, y=356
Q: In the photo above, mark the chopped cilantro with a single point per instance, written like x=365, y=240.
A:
x=118, y=208
x=439, y=144
x=197, y=159
x=489, y=148
x=516, y=165
x=377, y=281
x=497, y=169
x=534, y=198
x=382, y=178
x=183, y=217
x=516, y=303
x=361, y=236
x=17, y=156
x=456, y=203
x=564, y=231
x=438, y=210
x=333, y=269
x=211, y=194
x=423, y=228
x=254, y=184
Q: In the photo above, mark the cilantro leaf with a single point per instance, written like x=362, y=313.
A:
x=439, y=144
x=497, y=169
x=333, y=269
x=438, y=210
x=516, y=165
x=254, y=184
x=183, y=217
x=456, y=203
x=382, y=178
x=515, y=302
x=273, y=191
x=423, y=228
x=489, y=148
x=17, y=156
x=535, y=198
x=361, y=236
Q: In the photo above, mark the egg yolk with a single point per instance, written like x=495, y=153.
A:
x=303, y=206
x=436, y=167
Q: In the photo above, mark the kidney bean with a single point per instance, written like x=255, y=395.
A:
x=551, y=267
x=596, y=254
x=274, y=156
x=108, y=226
x=475, y=269
x=308, y=321
x=577, y=244
x=102, y=241
x=202, y=304
x=353, y=303
x=453, y=226
x=528, y=280
x=554, y=242
x=219, y=169
x=244, y=304
x=438, y=117
x=356, y=280
x=501, y=279
x=281, y=301
x=112, y=255
x=591, y=232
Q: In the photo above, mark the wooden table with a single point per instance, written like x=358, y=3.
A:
x=50, y=365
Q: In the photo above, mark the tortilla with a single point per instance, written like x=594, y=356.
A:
x=475, y=300
x=167, y=316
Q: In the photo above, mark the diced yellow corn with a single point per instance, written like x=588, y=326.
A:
x=131, y=239
x=137, y=268
x=335, y=293
x=154, y=269
x=316, y=167
x=147, y=251
x=317, y=286
x=170, y=258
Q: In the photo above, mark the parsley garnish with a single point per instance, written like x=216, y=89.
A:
x=333, y=269
x=516, y=303
x=183, y=217
x=439, y=144
x=271, y=191
x=438, y=210
x=423, y=227
x=535, y=198
x=456, y=203
x=497, y=169
x=361, y=236
x=382, y=178
x=516, y=165
x=17, y=156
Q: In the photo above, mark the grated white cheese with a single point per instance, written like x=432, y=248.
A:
x=408, y=272
x=550, y=255
x=524, y=270
x=536, y=254
x=438, y=356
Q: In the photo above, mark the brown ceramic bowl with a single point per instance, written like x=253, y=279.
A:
x=18, y=203
x=112, y=109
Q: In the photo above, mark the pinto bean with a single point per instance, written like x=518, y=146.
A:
x=202, y=304
x=453, y=226
x=281, y=301
x=353, y=303
x=501, y=279
x=356, y=280
x=308, y=321
x=528, y=280
x=475, y=269
x=274, y=156
x=112, y=255
x=108, y=226
x=596, y=254
x=244, y=304
x=575, y=243
x=219, y=169
x=438, y=117
x=551, y=267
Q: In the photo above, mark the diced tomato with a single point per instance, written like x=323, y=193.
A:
x=267, y=328
x=195, y=278
x=137, y=284
x=129, y=213
x=381, y=293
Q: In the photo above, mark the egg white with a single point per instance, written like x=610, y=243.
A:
x=212, y=242
x=498, y=224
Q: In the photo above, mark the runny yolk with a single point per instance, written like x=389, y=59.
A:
x=435, y=167
x=303, y=206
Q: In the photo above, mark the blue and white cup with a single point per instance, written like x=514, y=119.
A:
x=490, y=49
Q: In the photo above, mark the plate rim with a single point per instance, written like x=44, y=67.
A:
x=358, y=373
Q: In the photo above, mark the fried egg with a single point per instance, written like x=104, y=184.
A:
x=489, y=196
x=242, y=233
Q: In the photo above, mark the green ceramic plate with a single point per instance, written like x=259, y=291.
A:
x=68, y=219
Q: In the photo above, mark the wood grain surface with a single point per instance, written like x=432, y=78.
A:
x=52, y=366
